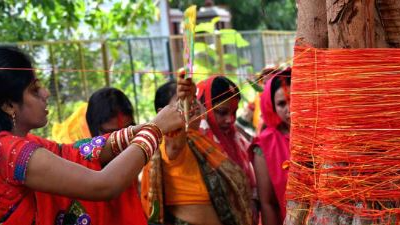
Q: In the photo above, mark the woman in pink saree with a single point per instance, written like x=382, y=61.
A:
x=270, y=150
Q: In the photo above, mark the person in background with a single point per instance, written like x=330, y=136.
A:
x=108, y=110
x=220, y=97
x=270, y=150
x=72, y=128
x=244, y=123
x=31, y=163
x=265, y=75
x=191, y=181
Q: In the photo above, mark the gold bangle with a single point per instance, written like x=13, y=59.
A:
x=114, y=148
x=157, y=129
x=146, y=155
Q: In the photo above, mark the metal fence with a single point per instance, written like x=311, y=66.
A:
x=74, y=69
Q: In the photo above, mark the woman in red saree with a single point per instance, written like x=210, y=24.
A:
x=221, y=97
x=31, y=163
x=108, y=110
x=270, y=150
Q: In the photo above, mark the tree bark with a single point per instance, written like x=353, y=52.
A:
x=351, y=23
x=311, y=30
x=311, y=23
x=389, y=12
x=380, y=34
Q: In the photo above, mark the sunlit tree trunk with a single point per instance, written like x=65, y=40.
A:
x=311, y=23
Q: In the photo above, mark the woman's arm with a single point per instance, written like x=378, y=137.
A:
x=107, y=154
x=270, y=212
x=47, y=172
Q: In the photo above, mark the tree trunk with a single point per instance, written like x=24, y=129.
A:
x=389, y=12
x=380, y=34
x=311, y=30
x=351, y=23
x=345, y=24
x=311, y=23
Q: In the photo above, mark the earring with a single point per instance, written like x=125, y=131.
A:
x=13, y=119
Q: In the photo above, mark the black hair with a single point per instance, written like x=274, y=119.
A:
x=282, y=76
x=164, y=94
x=222, y=89
x=105, y=104
x=13, y=82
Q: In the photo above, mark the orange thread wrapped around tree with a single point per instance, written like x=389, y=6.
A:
x=345, y=137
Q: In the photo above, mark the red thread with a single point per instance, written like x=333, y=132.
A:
x=345, y=139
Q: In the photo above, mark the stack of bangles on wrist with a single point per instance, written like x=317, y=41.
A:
x=148, y=138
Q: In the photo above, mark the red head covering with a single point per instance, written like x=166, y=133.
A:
x=270, y=118
x=228, y=141
x=275, y=146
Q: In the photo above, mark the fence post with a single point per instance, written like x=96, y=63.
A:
x=83, y=72
x=133, y=75
x=287, y=49
x=237, y=53
x=153, y=65
x=55, y=80
x=170, y=67
x=105, y=63
x=238, y=64
x=263, y=49
x=220, y=50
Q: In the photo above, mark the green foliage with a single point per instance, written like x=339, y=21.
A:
x=253, y=14
x=232, y=37
x=208, y=27
x=78, y=66
x=73, y=19
x=207, y=59
x=255, y=86
x=280, y=14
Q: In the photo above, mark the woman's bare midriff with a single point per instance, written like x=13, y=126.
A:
x=195, y=214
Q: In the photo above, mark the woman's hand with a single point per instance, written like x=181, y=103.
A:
x=136, y=128
x=169, y=119
x=185, y=88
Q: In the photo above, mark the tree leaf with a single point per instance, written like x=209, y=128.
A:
x=232, y=37
x=255, y=86
x=208, y=27
x=234, y=60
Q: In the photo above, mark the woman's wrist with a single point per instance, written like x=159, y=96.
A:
x=147, y=138
x=155, y=129
x=159, y=125
x=121, y=139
